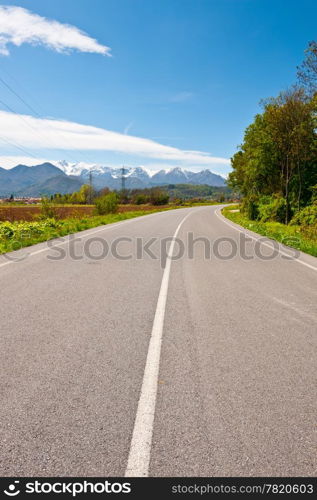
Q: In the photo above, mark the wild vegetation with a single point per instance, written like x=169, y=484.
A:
x=275, y=169
x=184, y=192
x=302, y=237
x=161, y=195
x=86, y=195
x=60, y=215
x=16, y=235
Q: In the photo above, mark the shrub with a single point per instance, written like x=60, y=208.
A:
x=6, y=230
x=159, y=197
x=107, y=204
x=306, y=217
x=140, y=199
x=25, y=230
x=123, y=197
x=274, y=210
x=178, y=201
x=47, y=209
x=250, y=207
x=83, y=196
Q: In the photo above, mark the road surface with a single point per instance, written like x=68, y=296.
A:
x=199, y=366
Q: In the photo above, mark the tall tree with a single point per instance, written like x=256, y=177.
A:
x=307, y=71
x=291, y=119
x=278, y=155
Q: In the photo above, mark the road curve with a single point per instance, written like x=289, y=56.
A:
x=221, y=348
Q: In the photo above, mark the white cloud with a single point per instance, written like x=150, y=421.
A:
x=19, y=25
x=66, y=135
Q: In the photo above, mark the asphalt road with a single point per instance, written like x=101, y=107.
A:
x=226, y=385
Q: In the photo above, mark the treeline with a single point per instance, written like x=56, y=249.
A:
x=89, y=195
x=177, y=193
x=203, y=191
x=275, y=168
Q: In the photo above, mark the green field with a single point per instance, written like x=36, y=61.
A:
x=15, y=235
x=19, y=234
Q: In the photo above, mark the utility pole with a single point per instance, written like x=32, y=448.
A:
x=123, y=180
x=90, y=187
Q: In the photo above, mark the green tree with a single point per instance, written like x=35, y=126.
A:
x=159, y=197
x=307, y=71
x=278, y=154
x=47, y=208
x=107, y=204
x=83, y=196
x=291, y=120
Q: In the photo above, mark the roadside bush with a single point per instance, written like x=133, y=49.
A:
x=107, y=204
x=306, y=217
x=159, y=197
x=221, y=198
x=123, y=197
x=275, y=210
x=47, y=209
x=140, y=199
x=22, y=230
x=310, y=232
x=250, y=207
x=178, y=201
x=6, y=230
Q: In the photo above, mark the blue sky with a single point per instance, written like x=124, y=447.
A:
x=187, y=74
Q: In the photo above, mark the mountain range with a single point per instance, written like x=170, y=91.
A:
x=63, y=177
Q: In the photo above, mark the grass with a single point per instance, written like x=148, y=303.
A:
x=299, y=237
x=188, y=203
x=16, y=235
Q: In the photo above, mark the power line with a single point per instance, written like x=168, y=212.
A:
x=19, y=97
x=18, y=115
x=33, y=110
x=27, y=123
x=123, y=179
x=4, y=138
x=24, y=89
x=90, y=187
x=21, y=148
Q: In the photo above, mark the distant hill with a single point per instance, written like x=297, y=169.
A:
x=188, y=191
x=206, y=177
x=18, y=179
x=58, y=184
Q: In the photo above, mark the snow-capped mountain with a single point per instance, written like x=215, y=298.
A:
x=139, y=173
x=138, y=177
x=80, y=168
x=174, y=176
x=205, y=177
x=67, y=177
